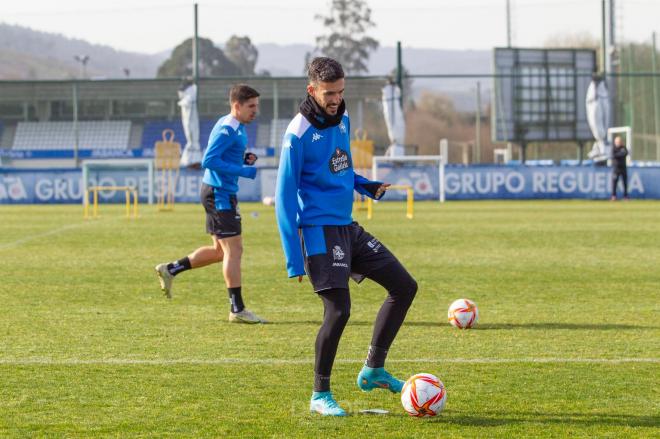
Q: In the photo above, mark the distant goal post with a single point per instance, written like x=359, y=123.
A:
x=113, y=172
x=439, y=160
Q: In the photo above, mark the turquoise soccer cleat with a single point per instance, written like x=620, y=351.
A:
x=378, y=378
x=324, y=403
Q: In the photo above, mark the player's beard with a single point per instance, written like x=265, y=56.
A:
x=318, y=116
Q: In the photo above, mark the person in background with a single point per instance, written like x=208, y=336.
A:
x=225, y=160
x=619, y=167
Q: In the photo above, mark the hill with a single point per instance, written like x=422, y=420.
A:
x=30, y=54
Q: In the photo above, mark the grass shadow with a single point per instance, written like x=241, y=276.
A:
x=561, y=325
x=491, y=326
x=571, y=418
x=351, y=322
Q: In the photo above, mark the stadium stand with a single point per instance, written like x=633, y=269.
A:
x=7, y=135
x=93, y=135
x=277, y=129
x=153, y=132
x=263, y=134
x=271, y=134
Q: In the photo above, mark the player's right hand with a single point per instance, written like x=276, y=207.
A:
x=381, y=190
x=300, y=278
x=249, y=158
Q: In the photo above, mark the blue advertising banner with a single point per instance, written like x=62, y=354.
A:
x=66, y=186
x=461, y=183
x=518, y=182
x=99, y=153
x=553, y=182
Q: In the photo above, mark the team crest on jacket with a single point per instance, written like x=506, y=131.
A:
x=339, y=162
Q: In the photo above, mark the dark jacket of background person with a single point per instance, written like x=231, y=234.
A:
x=619, y=157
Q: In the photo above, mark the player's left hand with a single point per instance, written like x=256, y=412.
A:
x=250, y=158
x=381, y=190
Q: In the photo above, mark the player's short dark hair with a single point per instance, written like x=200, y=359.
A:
x=241, y=93
x=324, y=69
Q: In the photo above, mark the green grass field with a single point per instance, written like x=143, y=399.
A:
x=568, y=343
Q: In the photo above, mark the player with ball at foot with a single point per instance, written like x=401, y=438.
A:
x=313, y=202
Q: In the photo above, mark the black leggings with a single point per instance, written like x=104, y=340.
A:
x=623, y=174
x=401, y=288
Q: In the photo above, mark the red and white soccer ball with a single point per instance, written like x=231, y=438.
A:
x=463, y=313
x=423, y=395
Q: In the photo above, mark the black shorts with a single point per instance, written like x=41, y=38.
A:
x=333, y=254
x=223, y=223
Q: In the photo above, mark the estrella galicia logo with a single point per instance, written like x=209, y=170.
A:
x=339, y=162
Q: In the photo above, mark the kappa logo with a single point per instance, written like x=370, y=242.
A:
x=337, y=253
x=342, y=127
x=316, y=136
x=287, y=144
x=224, y=131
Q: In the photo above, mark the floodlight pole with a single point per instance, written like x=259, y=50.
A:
x=478, y=125
x=631, y=86
x=195, y=53
x=612, y=61
x=508, y=23
x=83, y=60
x=603, y=42
x=580, y=151
x=655, y=100
x=399, y=71
x=76, y=129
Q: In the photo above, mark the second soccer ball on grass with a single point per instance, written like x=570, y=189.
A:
x=463, y=313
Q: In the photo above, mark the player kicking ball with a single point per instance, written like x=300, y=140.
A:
x=314, y=201
x=225, y=160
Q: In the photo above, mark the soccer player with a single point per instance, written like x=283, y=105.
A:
x=619, y=167
x=224, y=162
x=314, y=200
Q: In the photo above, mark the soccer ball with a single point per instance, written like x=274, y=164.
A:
x=423, y=395
x=463, y=313
x=268, y=201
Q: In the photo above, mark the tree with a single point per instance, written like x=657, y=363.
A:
x=581, y=40
x=242, y=53
x=347, y=23
x=212, y=61
x=438, y=106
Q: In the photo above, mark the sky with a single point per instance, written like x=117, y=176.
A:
x=152, y=26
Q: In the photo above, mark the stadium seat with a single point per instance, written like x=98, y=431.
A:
x=92, y=135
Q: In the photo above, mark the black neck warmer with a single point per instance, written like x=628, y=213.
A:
x=317, y=116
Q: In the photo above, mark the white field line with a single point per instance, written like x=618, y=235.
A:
x=284, y=361
x=56, y=231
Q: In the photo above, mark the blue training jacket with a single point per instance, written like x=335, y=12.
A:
x=315, y=184
x=223, y=159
